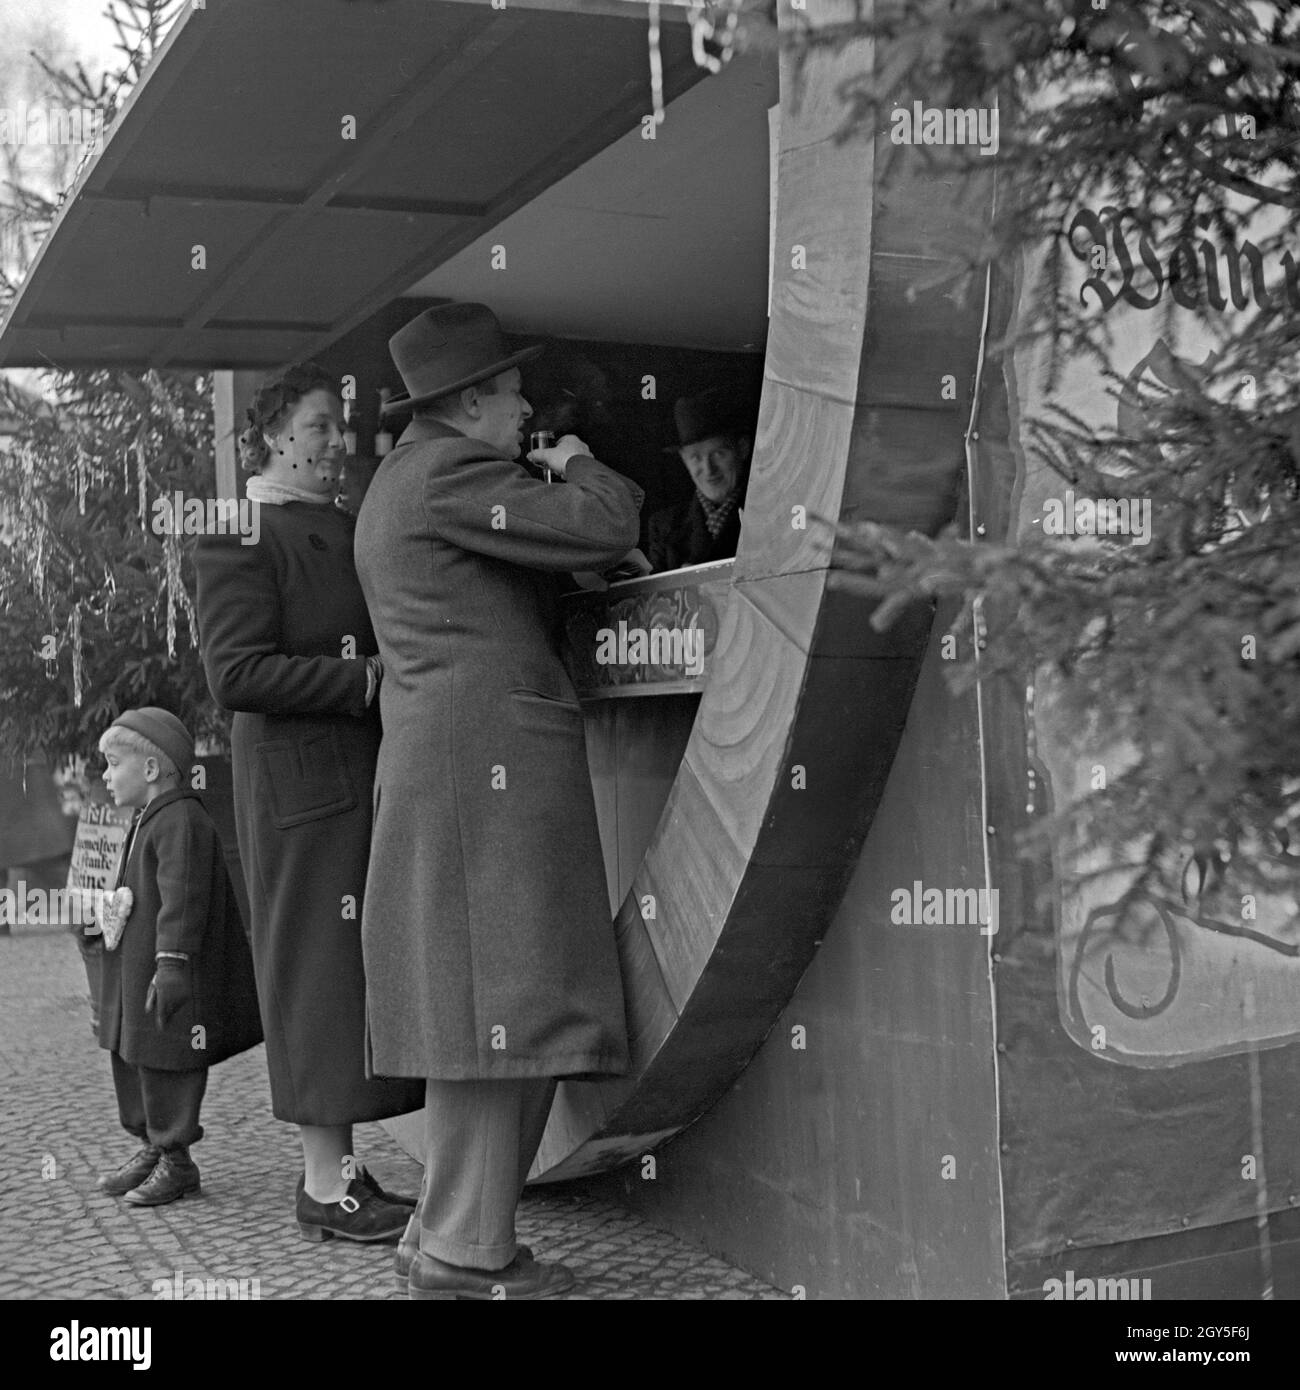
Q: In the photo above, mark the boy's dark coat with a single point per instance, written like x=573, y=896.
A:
x=184, y=901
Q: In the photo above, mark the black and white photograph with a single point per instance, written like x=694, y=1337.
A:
x=650, y=652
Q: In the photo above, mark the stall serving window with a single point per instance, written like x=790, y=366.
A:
x=646, y=271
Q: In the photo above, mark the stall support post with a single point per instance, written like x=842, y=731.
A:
x=231, y=393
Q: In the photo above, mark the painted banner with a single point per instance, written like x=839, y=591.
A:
x=1190, y=983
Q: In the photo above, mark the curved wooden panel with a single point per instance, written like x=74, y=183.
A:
x=803, y=703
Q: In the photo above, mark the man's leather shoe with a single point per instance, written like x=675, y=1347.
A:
x=430, y=1279
x=132, y=1173
x=406, y=1253
x=359, y=1215
x=175, y=1175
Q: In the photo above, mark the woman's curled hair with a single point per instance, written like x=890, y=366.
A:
x=274, y=399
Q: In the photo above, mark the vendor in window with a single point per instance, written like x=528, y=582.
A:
x=715, y=439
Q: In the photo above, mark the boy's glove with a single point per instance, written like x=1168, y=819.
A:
x=169, y=990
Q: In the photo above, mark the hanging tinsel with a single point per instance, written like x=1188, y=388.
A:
x=83, y=478
x=705, y=28
x=142, y=479
x=77, y=654
x=177, y=595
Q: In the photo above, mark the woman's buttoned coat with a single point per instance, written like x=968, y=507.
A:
x=285, y=635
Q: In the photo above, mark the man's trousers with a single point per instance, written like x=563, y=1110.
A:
x=480, y=1141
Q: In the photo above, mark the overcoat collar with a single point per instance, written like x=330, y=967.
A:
x=424, y=431
x=421, y=431
x=133, y=834
x=165, y=799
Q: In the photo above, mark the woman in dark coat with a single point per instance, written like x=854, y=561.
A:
x=287, y=644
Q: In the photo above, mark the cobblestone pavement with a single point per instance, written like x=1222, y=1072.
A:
x=59, y=1238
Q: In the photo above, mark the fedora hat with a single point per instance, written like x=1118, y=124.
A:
x=712, y=412
x=447, y=348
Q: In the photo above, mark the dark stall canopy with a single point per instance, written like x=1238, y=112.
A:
x=236, y=142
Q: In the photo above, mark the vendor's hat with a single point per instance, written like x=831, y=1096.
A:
x=713, y=412
x=163, y=730
x=447, y=348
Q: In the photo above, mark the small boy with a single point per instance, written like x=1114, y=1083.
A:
x=177, y=992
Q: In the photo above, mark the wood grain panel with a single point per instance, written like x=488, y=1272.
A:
x=745, y=868
x=816, y=75
x=823, y=218
x=800, y=434
x=689, y=875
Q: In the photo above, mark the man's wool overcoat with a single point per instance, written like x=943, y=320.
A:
x=285, y=635
x=183, y=901
x=679, y=535
x=489, y=948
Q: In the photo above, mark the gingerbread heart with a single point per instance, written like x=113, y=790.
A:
x=111, y=911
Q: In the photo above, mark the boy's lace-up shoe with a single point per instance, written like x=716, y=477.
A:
x=132, y=1173
x=175, y=1175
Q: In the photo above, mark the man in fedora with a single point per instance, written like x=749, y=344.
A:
x=715, y=438
x=491, y=967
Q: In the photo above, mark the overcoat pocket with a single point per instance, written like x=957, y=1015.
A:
x=305, y=778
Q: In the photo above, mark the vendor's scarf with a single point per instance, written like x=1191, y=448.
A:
x=716, y=513
x=275, y=494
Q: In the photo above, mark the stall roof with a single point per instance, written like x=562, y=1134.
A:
x=651, y=241
x=236, y=142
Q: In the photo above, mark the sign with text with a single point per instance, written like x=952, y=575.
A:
x=1211, y=975
x=101, y=834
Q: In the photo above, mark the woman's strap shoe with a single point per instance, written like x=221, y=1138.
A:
x=435, y=1279
x=358, y=1215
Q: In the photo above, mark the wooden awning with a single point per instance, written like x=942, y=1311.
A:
x=283, y=170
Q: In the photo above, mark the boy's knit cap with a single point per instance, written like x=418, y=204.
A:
x=160, y=727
